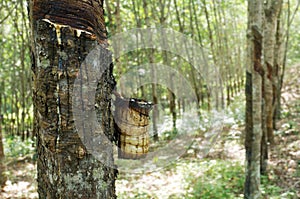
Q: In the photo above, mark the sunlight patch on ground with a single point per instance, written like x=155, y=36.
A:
x=21, y=181
x=20, y=189
x=163, y=185
x=159, y=185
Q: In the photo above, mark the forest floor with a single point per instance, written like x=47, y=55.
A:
x=285, y=153
x=191, y=176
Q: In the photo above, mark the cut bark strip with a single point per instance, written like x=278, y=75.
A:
x=83, y=15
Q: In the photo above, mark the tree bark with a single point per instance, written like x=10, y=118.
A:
x=63, y=33
x=278, y=63
x=3, y=177
x=254, y=75
x=272, y=8
x=271, y=13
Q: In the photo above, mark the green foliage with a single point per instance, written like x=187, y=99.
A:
x=270, y=189
x=225, y=179
x=169, y=135
x=136, y=195
x=236, y=110
x=294, y=47
x=14, y=147
x=222, y=179
x=15, y=75
x=287, y=113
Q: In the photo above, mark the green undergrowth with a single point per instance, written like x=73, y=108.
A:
x=205, y=179
x=220, y=179
x=225, y=179
x=14, y=147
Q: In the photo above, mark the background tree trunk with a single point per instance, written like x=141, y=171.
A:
x=254, y=75
x=65, y=167
x=150, y=55
x=270, y=27
x=285, y=42
x=2, y=164
x=272, y=8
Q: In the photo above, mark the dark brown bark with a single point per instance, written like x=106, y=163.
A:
x=65, y=168
x=172, y=102
x=83, y=15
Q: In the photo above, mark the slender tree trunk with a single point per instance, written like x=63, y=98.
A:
x=2, y=157
x=278, y=62
x=290, y=18
x=200, y=90
x=3, y=176
x=171, y=95
x=172, y=103
x=65, y=168
x=254, y=75
x=23, y=83
x=213, y=50
x=6, y=129
x=150, y=55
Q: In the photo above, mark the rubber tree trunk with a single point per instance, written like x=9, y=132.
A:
x=254, y=75
x=63, y=33
x=278, y=64
x=271, y=11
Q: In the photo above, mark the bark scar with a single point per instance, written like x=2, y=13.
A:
x=270, y=70
x=257, y=49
